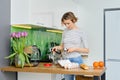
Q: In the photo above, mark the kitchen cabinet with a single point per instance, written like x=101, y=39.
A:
x=40, y=12
x=43, y=19
x=19, y=11
x=35, y=76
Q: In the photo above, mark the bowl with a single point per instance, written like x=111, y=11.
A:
x=48, y=64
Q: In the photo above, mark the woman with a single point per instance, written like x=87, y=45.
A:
x=73, y=39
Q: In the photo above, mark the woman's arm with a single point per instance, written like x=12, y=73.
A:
x=81, y=50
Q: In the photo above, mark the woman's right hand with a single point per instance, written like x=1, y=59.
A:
x=55, y=48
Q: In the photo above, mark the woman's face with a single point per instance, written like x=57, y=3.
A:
x=68, y=23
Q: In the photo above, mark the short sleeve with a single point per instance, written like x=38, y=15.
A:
x=62, y=40
x=85, y=40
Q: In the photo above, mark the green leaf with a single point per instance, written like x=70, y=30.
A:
x=12, y=55
x=26, y=58
x=27, y=54
x=12, y=60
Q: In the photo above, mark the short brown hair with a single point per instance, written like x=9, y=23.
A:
x=69, y=15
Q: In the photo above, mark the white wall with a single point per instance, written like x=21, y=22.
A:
x=92, y=21
x=89, y=12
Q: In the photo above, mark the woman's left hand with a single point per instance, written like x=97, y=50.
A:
x=69, y=50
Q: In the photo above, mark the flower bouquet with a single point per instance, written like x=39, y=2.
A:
x=18, y=40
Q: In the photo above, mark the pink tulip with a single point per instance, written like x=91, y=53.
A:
x=18, y=35
x=24, y=34
x=13, y=35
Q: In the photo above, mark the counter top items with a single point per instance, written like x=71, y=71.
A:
x=98, y=64
x=35, y=53
x=55, y=56
x=18, y=56
x=47, y=64
x=84, y=66
x=70, y=65
x=64, y=62
x=67, y=64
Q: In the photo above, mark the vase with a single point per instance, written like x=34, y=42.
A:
x=17, y=61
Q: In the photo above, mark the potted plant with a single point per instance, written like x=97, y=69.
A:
x=18, y=55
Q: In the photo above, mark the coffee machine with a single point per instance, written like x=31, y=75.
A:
x=54, y=55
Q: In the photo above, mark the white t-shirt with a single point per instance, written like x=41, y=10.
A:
x=74, y=38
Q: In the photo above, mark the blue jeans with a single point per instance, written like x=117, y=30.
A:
x=76, y=60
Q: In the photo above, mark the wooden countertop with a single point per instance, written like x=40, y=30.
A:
x=55, y=69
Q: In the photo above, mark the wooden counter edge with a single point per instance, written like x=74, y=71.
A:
x=55, y=71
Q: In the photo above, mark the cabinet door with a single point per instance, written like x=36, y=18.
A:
x=35, y=76
x=42, y=19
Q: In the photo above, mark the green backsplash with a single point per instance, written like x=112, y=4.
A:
x=41, y=38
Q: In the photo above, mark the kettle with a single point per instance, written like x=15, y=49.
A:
x=35, y=54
